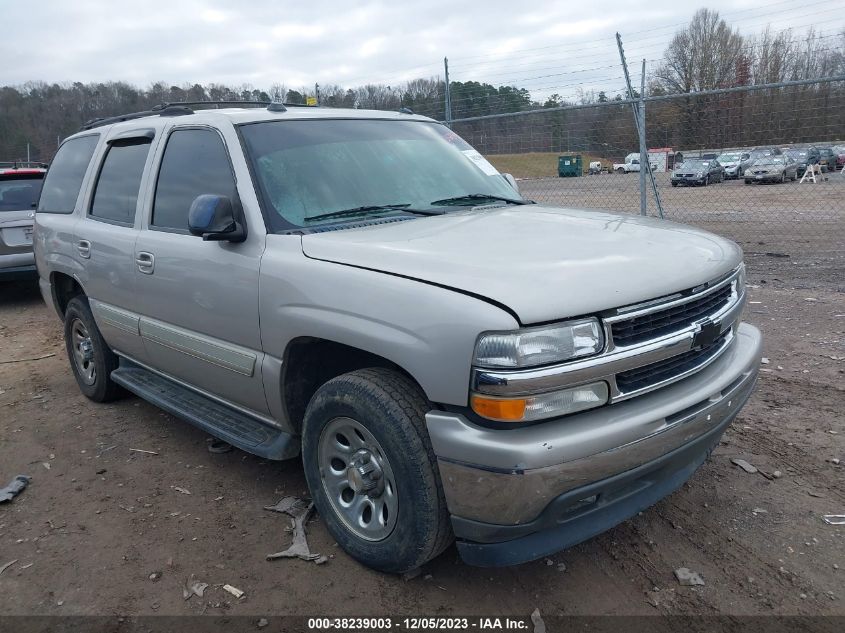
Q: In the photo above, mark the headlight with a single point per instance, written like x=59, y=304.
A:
x=542, y=405
x=531, y=347
x=699, y=174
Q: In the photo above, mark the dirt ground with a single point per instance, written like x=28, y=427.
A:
x=103, y=529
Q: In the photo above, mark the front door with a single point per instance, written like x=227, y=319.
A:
x=199, y=311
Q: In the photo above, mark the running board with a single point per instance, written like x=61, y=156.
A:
x=236, y=428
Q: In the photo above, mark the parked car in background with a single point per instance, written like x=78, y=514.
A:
x=631, y=164
x=697, y=171
x=772, y=169
x=803, y=156
x=827, y=159
x=730, y=161
x=756, y=154
x=20, y=186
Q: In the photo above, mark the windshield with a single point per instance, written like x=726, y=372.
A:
x=694, y=164
x=771, y=160
x=19, y=193
x=729, y=158
x=318, y=167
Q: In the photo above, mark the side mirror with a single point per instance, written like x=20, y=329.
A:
x=213, y=217
x=511, y=181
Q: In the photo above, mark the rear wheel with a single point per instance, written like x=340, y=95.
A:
x=620, y=170
x=90, y=358
x=372, y=471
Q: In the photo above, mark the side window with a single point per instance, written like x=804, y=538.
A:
x=194, y=163
x=64, y=178
x=116, y=193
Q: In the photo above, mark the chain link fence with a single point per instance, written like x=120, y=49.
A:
x=730, y=161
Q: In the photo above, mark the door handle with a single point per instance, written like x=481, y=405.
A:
x=145, y=262
x=84, y=248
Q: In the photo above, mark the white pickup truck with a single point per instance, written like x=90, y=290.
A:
x=632, y=163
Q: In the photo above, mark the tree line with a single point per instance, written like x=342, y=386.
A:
x=708, y=54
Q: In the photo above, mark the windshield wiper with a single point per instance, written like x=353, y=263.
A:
x=473, y=198
x=370, y=208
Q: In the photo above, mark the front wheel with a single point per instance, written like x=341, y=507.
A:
x=372, y=471
x=90, y=358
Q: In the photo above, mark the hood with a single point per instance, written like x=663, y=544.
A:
x=544, y=263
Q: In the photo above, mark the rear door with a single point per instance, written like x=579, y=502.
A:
x=105, y=240
x=199, y=319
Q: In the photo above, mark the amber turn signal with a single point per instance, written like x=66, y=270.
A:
x=511, y=410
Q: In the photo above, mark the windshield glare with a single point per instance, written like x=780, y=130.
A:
x=313, y=167
x=729, y=158
x=19, y=194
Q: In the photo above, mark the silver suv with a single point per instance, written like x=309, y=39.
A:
x=20, y=185
x=364, y=289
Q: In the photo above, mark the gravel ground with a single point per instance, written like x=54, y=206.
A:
x=103, y=529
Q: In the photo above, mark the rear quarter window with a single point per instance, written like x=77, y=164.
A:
x=64, y=178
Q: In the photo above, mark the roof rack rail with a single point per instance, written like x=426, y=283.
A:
x=164, y=109
x=262, y=104
x=180, y=108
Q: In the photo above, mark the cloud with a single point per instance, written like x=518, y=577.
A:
x=547, y=47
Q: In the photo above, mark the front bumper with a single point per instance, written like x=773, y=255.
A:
x=687, y=181
x=763, y=177
x=517, y=495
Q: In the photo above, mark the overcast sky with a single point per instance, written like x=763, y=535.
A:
x=544, y=46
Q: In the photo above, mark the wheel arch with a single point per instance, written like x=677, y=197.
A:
x=64, y=287
x=309, y=362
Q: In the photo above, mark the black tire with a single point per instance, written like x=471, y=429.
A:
x=392, y=409
x=706, y=181
x=98, y=385
x=749, y=182
x=674, y=184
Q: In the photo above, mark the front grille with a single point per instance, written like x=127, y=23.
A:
x=648, y=375
x=656, y=324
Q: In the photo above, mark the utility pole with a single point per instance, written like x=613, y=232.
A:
x=448, y=94
x=317, y=92
x=27, y=152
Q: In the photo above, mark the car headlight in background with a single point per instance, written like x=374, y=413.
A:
x=531, y=347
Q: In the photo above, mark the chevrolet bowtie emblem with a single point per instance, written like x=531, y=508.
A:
x=707, y=334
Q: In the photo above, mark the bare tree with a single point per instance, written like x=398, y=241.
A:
x=703, y=56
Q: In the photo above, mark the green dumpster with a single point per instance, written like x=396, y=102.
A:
x=569, y=165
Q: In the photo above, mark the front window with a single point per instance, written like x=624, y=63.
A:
x=20, y=192
x=729, y=158
x=312, y=168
